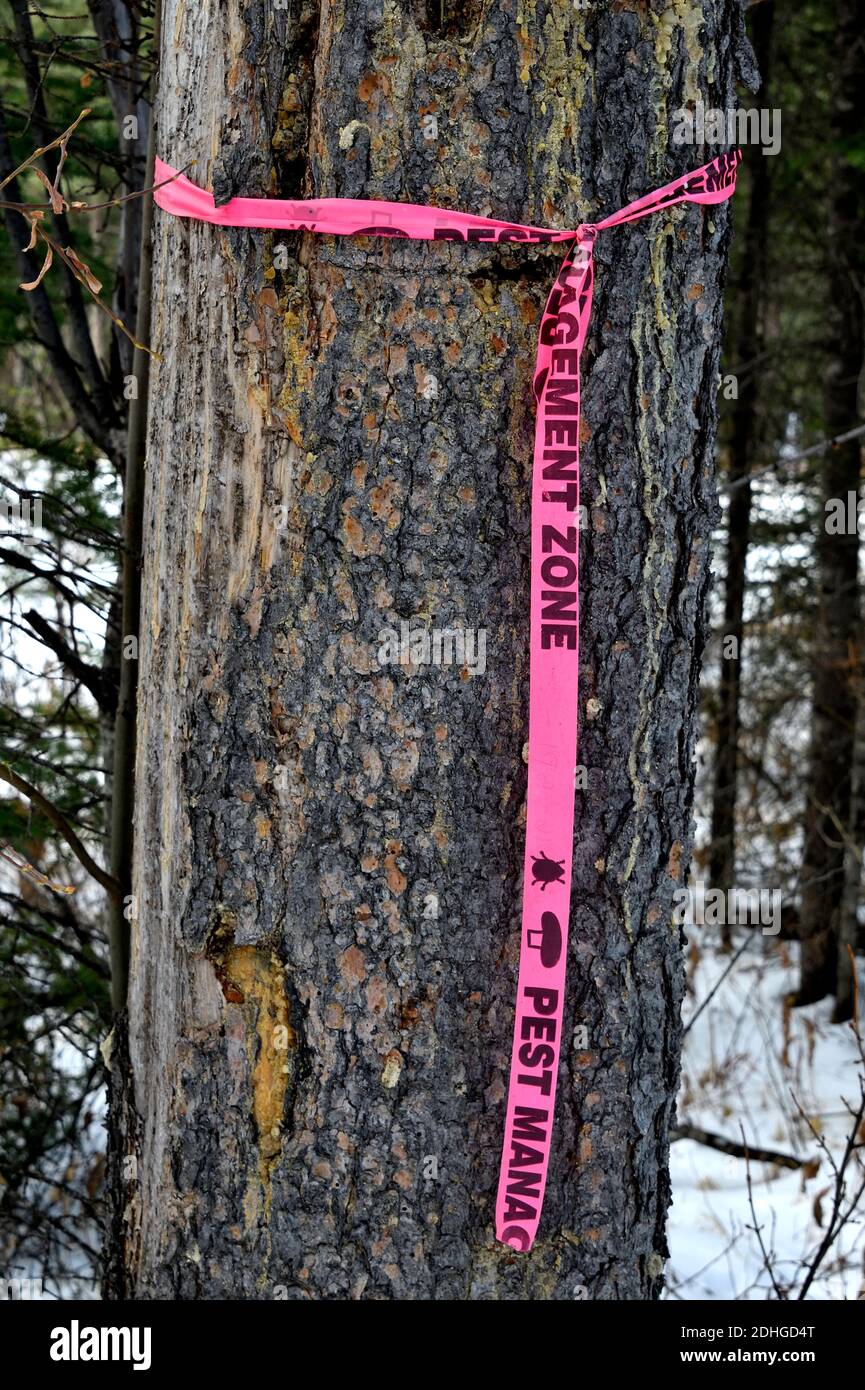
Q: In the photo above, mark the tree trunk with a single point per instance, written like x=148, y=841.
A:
x=836, y=642
x=848, y=928
x=744, y=440
x=328, y=847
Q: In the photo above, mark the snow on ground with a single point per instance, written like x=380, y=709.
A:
x=747, y=1061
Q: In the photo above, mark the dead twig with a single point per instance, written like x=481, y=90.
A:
x=34, y=216
x=780, y=1293
x=61, y=824
x=734, y=1149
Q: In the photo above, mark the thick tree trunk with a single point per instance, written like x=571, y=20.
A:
x=838, y=635
x=745, y=437
x=324, y=958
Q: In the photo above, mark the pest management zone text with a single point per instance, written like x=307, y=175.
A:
x=769, y=1356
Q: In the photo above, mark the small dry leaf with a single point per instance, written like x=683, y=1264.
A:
x=810, y=1169
x=58, y=202
x=96, y=1177
x=818, y=1206
x=84, y=270
x=46, y=266
x=34, y=219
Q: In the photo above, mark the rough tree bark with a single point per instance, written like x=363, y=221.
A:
x=837, y=642
x=328, y=847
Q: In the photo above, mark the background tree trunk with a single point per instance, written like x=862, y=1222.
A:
x=327, y=848
x=744, y=441
x=837, y=640
x=849, y=930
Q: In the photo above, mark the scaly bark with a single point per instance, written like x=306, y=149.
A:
x=328, y=849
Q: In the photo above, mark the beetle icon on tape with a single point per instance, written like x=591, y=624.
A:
x=547, y=939
x=546, y=870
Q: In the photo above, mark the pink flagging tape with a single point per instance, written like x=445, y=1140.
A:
x=554, y=616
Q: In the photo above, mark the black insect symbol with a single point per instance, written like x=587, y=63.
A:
x=546, y=870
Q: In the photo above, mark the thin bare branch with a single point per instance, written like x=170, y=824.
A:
x=61, y=824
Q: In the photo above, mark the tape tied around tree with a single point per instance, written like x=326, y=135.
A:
x=554, y=609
